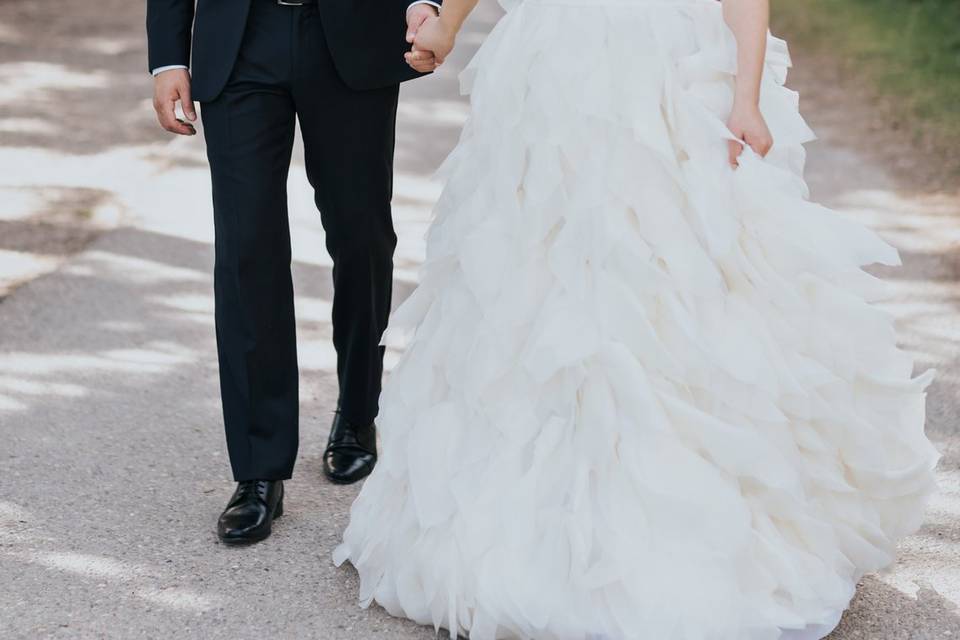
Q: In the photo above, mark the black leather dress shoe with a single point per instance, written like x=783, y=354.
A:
x=351, y=451
x=249, y=515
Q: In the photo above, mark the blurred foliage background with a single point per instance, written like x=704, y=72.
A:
x=908, y=50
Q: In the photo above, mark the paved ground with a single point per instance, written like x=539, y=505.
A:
x=112, y=462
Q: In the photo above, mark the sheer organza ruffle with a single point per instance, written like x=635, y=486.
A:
x=644, y=396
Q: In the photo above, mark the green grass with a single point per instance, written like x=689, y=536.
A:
x=909, y=50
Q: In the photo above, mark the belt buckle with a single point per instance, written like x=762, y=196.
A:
x=287, y=3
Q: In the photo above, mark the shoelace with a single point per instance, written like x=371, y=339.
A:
x=256, y=487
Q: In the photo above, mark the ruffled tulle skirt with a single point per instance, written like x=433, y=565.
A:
x=645, y=396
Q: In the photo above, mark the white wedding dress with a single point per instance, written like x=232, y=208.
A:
x=645, y=396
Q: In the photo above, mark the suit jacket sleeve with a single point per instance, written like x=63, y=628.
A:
x=169, y=25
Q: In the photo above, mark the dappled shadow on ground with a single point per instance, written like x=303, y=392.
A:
x=113, y=451
x=74, y=80
x=75, y=87
x=926, y=615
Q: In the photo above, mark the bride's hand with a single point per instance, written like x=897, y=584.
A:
x=437, y=36
x=747, y=124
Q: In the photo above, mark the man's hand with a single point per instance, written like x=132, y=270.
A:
x=169, y=87
x=420, y=60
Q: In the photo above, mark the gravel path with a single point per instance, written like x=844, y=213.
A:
x=112, y=459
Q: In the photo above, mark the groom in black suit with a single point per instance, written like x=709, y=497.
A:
x=257, y=67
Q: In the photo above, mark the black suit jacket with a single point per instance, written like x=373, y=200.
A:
x=366, y=39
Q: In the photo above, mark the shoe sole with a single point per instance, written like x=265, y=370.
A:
x=346, y=482
x=244, y=542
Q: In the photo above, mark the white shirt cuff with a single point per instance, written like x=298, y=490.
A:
x=160, y=70
x=429, y=2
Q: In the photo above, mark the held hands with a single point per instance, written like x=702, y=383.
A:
x=420, y=59
x=432, y=39
x=169, y=87
x=748, y=126
x=437, y=36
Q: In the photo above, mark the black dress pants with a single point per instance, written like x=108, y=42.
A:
x=284, y=71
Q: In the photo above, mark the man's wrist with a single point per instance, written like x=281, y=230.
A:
x=168, y=67
x=435, y=5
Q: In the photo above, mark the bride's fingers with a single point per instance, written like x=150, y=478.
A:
x=734, y=149
x=423, y=67
x=422, y=61
x=762, y=146
x=421, y=54
x=759, y=141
